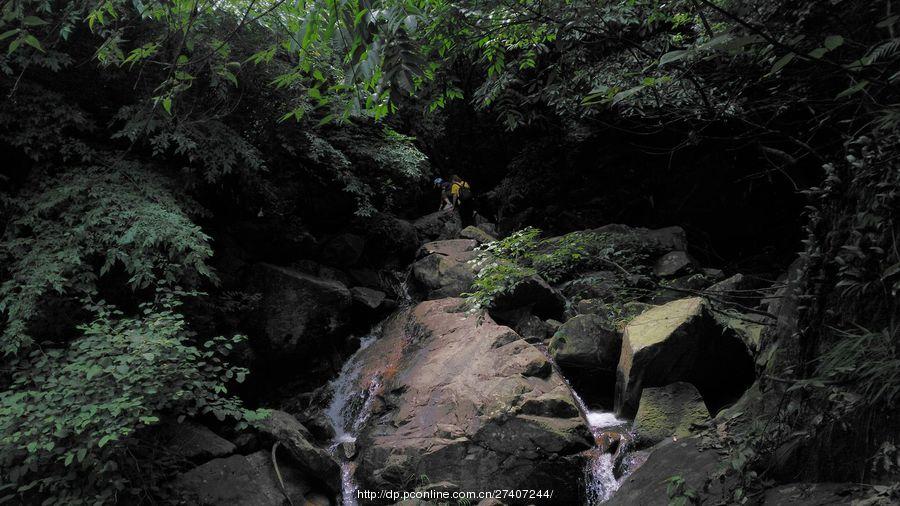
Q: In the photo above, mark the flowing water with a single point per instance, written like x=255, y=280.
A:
x=599, y=477
x=351, y=403
x=350, y=406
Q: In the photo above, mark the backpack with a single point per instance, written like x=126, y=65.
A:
x=465, y=193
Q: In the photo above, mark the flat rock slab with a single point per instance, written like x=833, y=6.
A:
x=458, y=250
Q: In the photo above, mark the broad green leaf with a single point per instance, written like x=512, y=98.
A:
x=33, y=21
x=13, y=46
x=672, y=56
x=833, y=42
x=32, y=41
x=784, y=60
x=9, y=33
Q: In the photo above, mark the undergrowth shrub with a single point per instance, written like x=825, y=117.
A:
x=70, y=415
x=502, y=264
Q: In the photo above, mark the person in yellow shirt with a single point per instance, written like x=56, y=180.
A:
x=461, y=193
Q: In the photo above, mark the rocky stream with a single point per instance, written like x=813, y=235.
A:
x=554, y=390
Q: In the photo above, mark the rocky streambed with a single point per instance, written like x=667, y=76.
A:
x=557, y=387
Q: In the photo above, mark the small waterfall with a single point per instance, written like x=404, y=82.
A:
x=399, y=282
x=349, y=408
x=600, y=479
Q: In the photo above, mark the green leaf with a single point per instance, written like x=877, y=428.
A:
x=818, y=52
x=856, y=88
x=672, y=56
x=622, y=95
x=33, y=42
x=13, y=46
x=33, y=21
x=167, y=104
x=784, y=60
x=9, y=33
x=833, y=42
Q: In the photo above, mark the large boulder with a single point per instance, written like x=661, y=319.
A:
x=444, y=270
x=314, y=461
x=531, y=295
x=244, y=481
x=367, y=299
x=467, y=404
x=477, y=234
x=668, y=411
x=388, y=239
x=673, y=263
x=648, y=484
x=587, y=348
x=682, y=341
x=193, y=442
x=438, y=225
x=533, y=329
x=299, y=313
x=343, y=249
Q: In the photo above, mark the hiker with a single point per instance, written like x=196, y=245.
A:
x=444, y=186
x=462, y=200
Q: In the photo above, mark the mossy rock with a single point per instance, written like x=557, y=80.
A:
x=668, y=411
x=586, y=341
